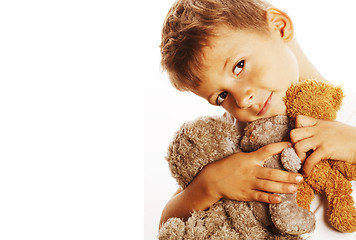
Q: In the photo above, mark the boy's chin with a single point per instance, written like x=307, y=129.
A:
x=281, y=110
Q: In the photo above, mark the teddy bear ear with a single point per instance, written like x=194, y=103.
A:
x=314, y=99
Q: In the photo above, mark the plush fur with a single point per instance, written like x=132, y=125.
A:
x=198, y=143
x=332, y=178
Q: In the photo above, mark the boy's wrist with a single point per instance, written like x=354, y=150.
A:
x=207, y=186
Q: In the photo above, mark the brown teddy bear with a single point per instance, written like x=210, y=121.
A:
x=207, y=139
x=332, y=178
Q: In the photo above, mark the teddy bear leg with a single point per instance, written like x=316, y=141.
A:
x=217, y=221
x=201, y=225
x=225, y=233
x=289, y=218
x=173, y=229
x=244, y=222
x=261, y=212
x=212, y=222
x=341, y=209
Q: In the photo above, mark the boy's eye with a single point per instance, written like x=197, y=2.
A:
x=239, y=66
x=220, y=99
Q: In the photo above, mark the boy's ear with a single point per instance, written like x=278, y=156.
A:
x=281, y=22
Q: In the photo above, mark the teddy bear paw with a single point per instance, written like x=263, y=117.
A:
x=289, y=218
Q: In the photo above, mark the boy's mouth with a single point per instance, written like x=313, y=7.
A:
x=265, y=105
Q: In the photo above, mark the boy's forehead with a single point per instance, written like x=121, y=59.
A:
x=221, y=45
x=227, y=42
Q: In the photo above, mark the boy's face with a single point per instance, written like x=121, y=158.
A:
x=248, y=73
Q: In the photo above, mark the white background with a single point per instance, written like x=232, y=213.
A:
x=324, y=29
x=71, y=119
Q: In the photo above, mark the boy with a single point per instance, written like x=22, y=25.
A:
x=242, y=55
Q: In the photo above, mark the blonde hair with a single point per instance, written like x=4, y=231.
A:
x=190, y=24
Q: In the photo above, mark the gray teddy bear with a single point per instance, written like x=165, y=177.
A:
x=209, y=139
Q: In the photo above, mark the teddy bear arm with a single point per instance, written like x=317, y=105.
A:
x=305, y=195
x=288, y=216
x=345, y=168
x=290, y=160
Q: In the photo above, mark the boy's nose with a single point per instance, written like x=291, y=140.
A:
x=245, y=99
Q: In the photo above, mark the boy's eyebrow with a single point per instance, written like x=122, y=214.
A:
x=226, y=62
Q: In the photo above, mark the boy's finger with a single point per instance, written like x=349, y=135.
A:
x=298, y=134
x=277, y=175
x=275, y=187
x=304, y=121
x=271, y=149
x=311, y=161
x=303, y=147
x=266, y=197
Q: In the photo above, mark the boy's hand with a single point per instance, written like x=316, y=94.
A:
x=327, y=140
x=242, y=176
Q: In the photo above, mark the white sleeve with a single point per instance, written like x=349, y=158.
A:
x=324, y=230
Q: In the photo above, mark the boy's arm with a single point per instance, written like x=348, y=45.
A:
x=194, y=197
x=240, y=176
x=327, y=139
